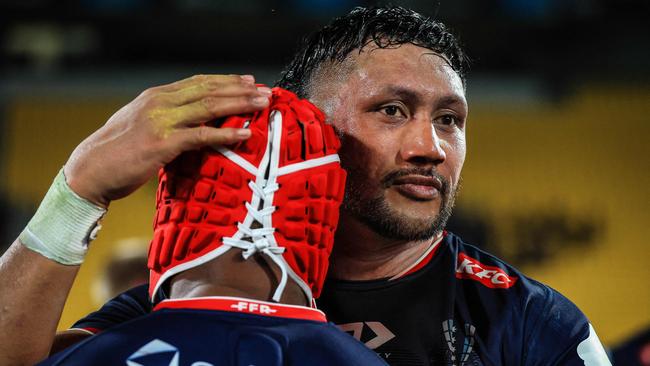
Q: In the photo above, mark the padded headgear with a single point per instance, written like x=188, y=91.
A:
x=277, y=193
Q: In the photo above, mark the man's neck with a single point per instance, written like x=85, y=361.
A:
x=361, y=254
x=231, y=275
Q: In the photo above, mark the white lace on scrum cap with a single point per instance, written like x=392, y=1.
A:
x=256, y=233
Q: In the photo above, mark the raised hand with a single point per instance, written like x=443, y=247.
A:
x=154, y=128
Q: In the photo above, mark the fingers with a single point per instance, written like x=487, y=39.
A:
x=197, y=91
x=197, y=137
x=206, y=79
x=194, y=100
x=214, y=107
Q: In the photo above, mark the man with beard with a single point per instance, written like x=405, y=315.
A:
x=392, y=84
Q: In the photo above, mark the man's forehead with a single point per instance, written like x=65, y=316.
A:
x=406, y=66
x=406, y=51
x=375, y=71
x=406, y=57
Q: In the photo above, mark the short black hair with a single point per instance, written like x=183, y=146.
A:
x=389, y=26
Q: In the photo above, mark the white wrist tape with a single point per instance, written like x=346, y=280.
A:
x=63, y=225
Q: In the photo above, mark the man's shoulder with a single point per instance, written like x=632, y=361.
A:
x=489, y=275
x=529, y=312
x=476, y=266
x=484, y=280
x=126, y=306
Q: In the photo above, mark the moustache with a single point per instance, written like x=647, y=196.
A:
x=389, y=179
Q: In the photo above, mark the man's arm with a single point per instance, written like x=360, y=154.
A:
x=33, y=291
x=113, y=162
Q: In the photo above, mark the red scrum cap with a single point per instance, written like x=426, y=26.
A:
x=276, y=194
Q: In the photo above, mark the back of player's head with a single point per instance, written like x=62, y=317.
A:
x=275, y=195
x=383, y=27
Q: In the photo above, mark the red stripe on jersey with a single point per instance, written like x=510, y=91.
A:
x=422, y=263
x=424, y=260
x=243, y=305
x=88, y=329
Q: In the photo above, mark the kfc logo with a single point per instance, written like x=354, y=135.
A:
x=493, y=277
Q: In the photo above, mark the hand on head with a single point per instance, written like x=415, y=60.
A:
x=156, y=127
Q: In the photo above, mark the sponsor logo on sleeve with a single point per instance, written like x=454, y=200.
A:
x=490, y=276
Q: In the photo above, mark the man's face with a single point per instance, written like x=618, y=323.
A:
x=401, y=112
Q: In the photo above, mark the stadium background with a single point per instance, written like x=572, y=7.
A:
x=556, y=179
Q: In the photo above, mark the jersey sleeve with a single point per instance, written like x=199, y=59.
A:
x=124, y=307
x=562, y=335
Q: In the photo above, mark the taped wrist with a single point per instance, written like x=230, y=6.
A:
x=63, y=225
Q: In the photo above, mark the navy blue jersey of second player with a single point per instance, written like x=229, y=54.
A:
x=221, y=331
x=461, y=306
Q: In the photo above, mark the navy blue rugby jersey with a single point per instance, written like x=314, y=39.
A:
x=221, y=331
x=458, y=306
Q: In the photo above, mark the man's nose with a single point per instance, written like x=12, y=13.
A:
x=421, y=145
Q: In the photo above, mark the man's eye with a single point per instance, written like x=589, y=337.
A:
x=447, y=120
x=392, y=110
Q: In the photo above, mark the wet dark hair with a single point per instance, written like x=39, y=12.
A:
x=386, y=27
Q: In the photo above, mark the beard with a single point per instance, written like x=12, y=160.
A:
x=377, y=214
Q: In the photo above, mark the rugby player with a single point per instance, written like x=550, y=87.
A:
x=392, y=82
